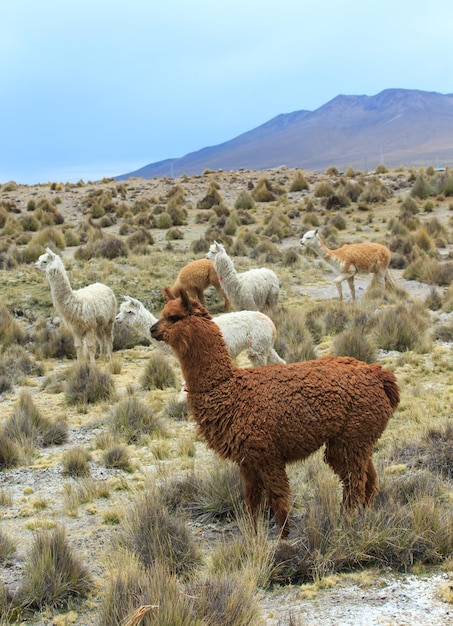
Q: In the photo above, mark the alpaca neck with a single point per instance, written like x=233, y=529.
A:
x=62, y=294
x=225, y=269
x=202, y=354
x=327, y=254
x=145, y=319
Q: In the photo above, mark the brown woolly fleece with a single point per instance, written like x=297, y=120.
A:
x=265, y=417
x=195, y=278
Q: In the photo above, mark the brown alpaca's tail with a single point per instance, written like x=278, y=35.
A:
x=391, y=388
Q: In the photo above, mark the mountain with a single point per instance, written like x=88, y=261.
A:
x=395, y=127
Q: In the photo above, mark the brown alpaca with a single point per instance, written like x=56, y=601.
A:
x=352, y=259
x=195, y=278
x=265, y=417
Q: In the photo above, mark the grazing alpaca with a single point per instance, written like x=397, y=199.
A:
x=195, y=278
x=352, y=259
x=88, y=312
x=265, y=417
x=244, y=330
x=254, y=290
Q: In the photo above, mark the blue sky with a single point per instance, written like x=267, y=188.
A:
x=95, y=88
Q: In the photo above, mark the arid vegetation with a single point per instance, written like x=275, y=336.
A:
x=111, y=506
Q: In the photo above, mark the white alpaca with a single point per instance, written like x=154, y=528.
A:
x=255, y=290
x=251, y=331
x=352, y=259
x=88, y=312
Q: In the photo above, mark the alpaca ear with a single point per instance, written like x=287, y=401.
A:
x=50, y=252
x=218, y=246
x=316, y=231
x=168, y=294
x=185, y=300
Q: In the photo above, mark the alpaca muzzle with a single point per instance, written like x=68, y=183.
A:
x=155, y=332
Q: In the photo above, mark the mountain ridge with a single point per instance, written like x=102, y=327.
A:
x=395, y=127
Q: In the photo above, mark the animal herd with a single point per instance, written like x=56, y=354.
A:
x=268, y=415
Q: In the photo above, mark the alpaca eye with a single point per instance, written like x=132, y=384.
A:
x=173, y=318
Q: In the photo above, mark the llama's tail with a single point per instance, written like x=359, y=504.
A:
x=391, y=388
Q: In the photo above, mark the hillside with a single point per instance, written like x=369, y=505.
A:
x=395, y=127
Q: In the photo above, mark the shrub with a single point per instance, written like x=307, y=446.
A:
x=86, y=384
x=30, y=223
x=263, y=192
x=294, y=341
x=53, y=573
x=75, y=462
x=16, y=363
x=9, y=452
x=223, y=600
x=177, y=410
x=158, y=373
x=291, y=258
x=299, y=182
x=311, y=219
x=156, y=537
x=131, y=419
x=118, y=457
x=164, y=221
x=47, y=213
x=244, y=201
x=332, y=171
x=140, y=237
x=339, y=222
x=421, y=188
x=105, y=246
x=10, y=330
x=277, y=225
x=200, y=246
x=211, y=199
x=323, y=190
x=374, y=193
x=7, y=546
x=353, y=342
x=54, y=343
x=128, y=587
x=174, y=233
x=49, y=237
x=178, y=215
x=28, y=428
x=409, y=206
x=402, y=327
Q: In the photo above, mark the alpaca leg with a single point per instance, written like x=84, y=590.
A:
x=273, y=357
x=79, y=348
x=351, y=287
x=380, y=278
x=352, y=471
x=371, y=485
x=338, y=282
x=200, y=296
x=90, y=346
x=227, y=303
x=277, y=491
x=107, y=341
x=253, y=491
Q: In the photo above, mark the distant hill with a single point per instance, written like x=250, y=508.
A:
x=395, y=127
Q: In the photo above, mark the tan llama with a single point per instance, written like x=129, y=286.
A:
x=352, y=259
